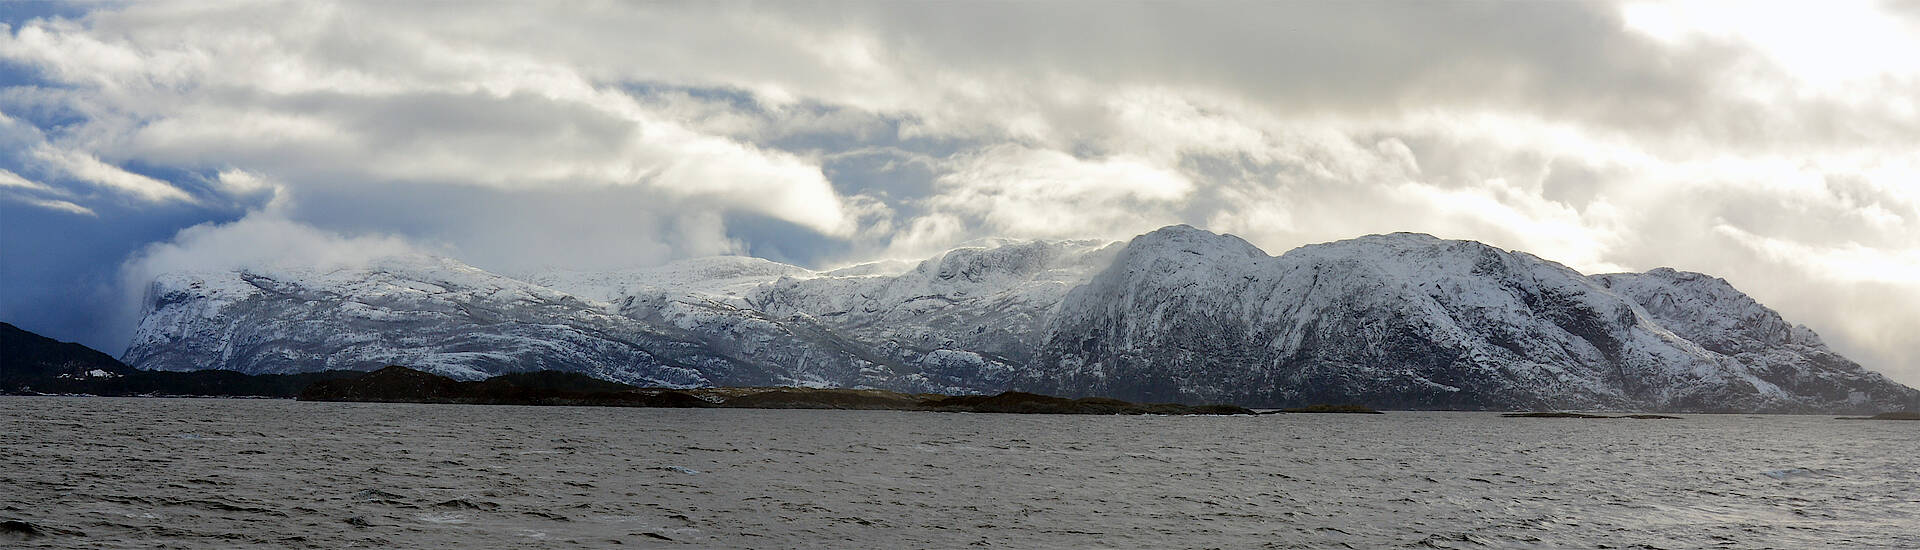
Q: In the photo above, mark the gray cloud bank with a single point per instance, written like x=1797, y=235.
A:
x=589, y=135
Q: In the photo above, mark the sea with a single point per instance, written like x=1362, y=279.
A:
x=87, y=472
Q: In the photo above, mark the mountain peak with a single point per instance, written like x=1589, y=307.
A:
x=1709, y=311
x=1177, y=314
x=1186, y=238
x=1406, y=236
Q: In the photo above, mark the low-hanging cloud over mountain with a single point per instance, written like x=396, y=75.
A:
x=1770, y=144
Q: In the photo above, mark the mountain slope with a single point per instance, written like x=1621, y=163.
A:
x=1179, y=314
x=968, y=319
x=1708, y=311
x=1406, y=320
x=431, y=313
x=28, y=356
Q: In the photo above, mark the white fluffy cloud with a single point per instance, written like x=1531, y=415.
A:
x=262, y=241
x=1768, y=144
x=320, y=93
x=1038, y=193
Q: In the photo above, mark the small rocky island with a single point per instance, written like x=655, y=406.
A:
x=404, y=385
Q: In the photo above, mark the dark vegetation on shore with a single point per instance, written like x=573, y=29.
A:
x=33, y=364
x=202, y=383
x=404, y=385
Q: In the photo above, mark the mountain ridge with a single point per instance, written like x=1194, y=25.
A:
x=1401, y=320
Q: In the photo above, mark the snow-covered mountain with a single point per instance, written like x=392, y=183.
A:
x=435, y=313
x=1408, y=320
x=1179, y=314
x=966, y=320
x=710, y=321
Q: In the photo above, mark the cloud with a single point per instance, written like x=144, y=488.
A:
x=1767, y=143
x=262, y=241
x=1847, y=263
x=10, y=179
x=22, y=190
x=1826, y=45
x=85, y=167
x=517, y=231
x=240, y=182
x=51, y=204
x=1023, y=192
x=309, y=99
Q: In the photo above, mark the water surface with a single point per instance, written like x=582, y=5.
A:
x=210, y=473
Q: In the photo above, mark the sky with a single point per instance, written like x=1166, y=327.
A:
x=1774, y=144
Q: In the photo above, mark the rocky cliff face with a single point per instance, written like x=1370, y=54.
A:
x=1179, y=314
